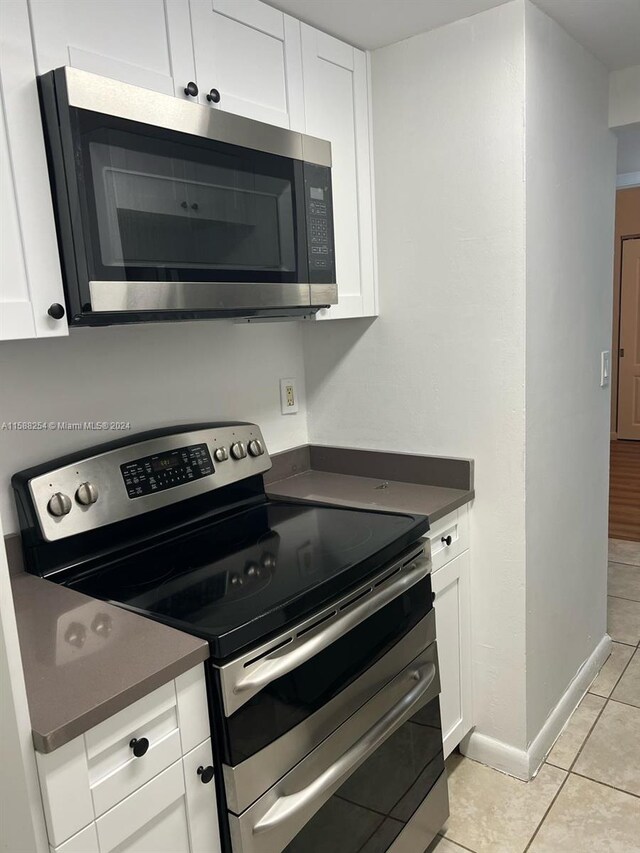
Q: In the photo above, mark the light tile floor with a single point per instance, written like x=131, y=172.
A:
x=586, y=797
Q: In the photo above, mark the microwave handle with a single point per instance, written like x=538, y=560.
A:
x=282, y=662
x=287, y=807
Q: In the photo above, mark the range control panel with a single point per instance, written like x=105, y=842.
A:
x=144, y=475
x=166, y=470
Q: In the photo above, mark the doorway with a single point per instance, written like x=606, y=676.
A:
x=624, y=490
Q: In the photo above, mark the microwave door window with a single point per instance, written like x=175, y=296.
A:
x=189, y=210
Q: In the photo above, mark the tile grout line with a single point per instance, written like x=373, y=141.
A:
x=605, y=784
x=548, y=809
x=455, y=843
x=570, y=771
x=622, y=597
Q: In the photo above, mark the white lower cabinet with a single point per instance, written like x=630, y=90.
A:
x=100, y=797
x=451, y=586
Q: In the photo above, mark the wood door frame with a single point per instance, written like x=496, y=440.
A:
x=627, y=227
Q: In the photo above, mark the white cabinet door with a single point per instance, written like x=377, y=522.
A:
x=336, y=101
x=451, y=587
x=202, y=807
x=30, y=271
x=135, y=42
x=250, y=53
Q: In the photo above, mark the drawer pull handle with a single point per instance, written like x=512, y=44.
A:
x=139, y=745
x=205, y=774
x=447, y=540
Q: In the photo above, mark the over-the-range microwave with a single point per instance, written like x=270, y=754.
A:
x=170, y=210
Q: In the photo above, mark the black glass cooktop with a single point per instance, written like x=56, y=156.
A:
x=241, y=578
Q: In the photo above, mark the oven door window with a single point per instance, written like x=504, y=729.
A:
x=165, y=206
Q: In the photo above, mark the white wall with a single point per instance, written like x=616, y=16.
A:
x=624, y=96
x=570, y=190
x=442, y=370
x=151, y=375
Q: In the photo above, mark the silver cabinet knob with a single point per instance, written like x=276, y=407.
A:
x=86, y=494
x=238, y=450
x=59, y=504
x=220, y=454
x=255, y=447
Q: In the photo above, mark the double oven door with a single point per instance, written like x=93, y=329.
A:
x=329, y=735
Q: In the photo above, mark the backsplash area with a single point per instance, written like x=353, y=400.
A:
x=148, y=376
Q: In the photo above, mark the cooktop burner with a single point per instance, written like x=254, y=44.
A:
x=242, y=577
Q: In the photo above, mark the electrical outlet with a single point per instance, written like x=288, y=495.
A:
x=288, y=396
x=605, y=368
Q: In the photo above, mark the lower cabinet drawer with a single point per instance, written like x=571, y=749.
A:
x=85, y=841
x=153, y=820
x=449, y=537
x=116, y=769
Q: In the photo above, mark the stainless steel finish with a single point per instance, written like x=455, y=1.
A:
x=111, y=97
x=245, y=782
x=427, y=820
x=239, y=450
x=86, y=494
x=323, y=294
x=59, y=504
x=207, y=296
x=103, y=470
x=276, y=818
x=220, y=454
x=255, y=447
x=245, y=676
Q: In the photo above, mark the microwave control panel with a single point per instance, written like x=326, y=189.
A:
x=319, y=214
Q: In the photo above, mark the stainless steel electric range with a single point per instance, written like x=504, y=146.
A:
x=323, y=676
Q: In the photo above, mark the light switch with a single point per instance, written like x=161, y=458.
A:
x=605, y=368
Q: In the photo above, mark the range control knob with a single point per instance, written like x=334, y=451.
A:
x=238, y=450
x=255, y=447
x=59, y=504
x=220, y=454
x=86, y=494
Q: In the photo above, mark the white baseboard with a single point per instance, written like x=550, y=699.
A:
x=524, y=764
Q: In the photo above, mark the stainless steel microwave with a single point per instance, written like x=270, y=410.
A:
x=170, y=210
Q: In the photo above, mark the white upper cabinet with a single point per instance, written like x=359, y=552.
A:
x=249, y=54
x=30, y=280
x=128, y=41
x=336, y=102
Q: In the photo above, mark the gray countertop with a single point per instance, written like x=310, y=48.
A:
x=372, y=493
x=84, y=660
x=372, y=479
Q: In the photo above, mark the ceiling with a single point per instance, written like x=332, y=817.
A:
x=610, y=29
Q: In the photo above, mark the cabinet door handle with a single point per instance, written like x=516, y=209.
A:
x=447, y=540
x=56, y=311
x=191, y=89
x=139, y=745
x=205, y=774
x=213, y=96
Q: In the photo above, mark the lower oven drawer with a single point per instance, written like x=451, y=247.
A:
x=367, y=779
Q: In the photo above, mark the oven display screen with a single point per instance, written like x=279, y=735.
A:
x=166, y=470
x=161, y=463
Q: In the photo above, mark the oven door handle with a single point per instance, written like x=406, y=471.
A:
x=287, y=807
x=279, y=663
